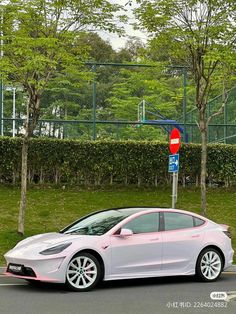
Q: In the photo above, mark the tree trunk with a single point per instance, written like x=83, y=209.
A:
x=29, y=176
x=41, y=176
x=197, y=181
x=65, y=125
x=203, y=130
x=14, y=177
x=21, y=217
x=57, y=176
x=33, y=111
x=156, y=181
x=111, y=179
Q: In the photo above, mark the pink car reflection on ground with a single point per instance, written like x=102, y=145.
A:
x=124, y=243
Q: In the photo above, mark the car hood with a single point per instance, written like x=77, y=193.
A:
x=48, y=239
x=35, y=244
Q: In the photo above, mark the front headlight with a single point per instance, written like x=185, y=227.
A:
x=55, y=249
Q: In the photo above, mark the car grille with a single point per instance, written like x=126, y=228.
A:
x=25, y=271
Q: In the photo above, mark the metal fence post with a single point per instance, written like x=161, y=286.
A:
x=94, y=102
x=1, y=106
x=184, y=101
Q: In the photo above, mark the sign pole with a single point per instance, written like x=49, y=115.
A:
x=174, y=189
x=174, y=163
x=177, y=177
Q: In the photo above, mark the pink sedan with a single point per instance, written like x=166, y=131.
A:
x=124, y=243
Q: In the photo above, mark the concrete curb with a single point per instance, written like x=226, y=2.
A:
x=228, y=270
x=231, y=269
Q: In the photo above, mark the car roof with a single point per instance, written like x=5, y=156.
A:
x=143, y=209
x=136, y=210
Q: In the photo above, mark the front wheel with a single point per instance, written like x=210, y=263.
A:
x=209, y=265
x=83, y=272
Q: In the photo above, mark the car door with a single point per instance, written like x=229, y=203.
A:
x=139, y=253
x=181, y=242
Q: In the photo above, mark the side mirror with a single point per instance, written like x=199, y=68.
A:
x=126, y=232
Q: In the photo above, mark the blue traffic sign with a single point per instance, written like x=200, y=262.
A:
x=174, y=163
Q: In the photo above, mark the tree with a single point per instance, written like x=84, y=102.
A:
x=131, y=52
x=163, y=92
x=202, y=35
x=40, y=37
x=99, y=50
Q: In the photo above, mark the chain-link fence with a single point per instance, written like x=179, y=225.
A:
x=84, y=129
x=222, y=128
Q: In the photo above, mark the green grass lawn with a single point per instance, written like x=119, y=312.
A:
x=50, y=209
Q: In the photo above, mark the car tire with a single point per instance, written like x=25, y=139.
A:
x=83, y=272
x=209, y=265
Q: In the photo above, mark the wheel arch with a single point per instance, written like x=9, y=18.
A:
x=217, y=249
x=95, y=254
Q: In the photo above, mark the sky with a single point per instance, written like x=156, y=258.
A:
x=119, y=42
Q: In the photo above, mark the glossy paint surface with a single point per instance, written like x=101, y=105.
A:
x=146, y=253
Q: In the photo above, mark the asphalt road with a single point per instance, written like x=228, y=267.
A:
x=147, y=296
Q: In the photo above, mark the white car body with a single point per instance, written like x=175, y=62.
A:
x=149, y=254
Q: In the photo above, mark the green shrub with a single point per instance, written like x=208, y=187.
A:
x=107, y=162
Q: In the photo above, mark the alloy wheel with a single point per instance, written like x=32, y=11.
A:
x=211, y=265
x=83, y=272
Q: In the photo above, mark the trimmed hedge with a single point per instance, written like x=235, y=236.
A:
x=107, y=162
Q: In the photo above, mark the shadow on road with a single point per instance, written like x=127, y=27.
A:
x=117, y=284
x=160, y=281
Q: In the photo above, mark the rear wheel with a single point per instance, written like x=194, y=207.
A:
x=83, y=272
x=209, y=265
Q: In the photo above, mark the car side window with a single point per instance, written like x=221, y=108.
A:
x=144, y=223
x=198, y=221
x=175, y=221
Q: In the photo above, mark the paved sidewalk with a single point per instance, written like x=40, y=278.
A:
x=1, y=270
x=231, y=269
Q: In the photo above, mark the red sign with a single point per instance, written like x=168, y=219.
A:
x=175, y=141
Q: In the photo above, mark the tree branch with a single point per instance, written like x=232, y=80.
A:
x=220, y=111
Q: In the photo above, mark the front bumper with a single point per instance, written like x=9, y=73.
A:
x=48, y=270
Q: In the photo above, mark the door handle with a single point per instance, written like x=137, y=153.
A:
x=195, y=236
x=154, y=239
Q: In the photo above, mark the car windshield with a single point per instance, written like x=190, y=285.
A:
x=99, y=223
